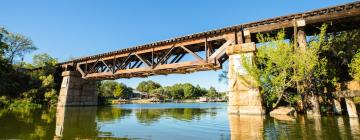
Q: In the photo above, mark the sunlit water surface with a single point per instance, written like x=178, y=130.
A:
x=168, y=121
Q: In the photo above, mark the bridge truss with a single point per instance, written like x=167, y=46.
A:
x=207, y=49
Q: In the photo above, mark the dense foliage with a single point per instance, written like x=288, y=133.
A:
x=289, y=73
x=19, y=85
x=113, y=89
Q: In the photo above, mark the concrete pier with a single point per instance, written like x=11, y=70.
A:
x=76, y=91
x=244, y=94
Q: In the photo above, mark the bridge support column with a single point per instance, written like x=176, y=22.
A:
x=244, y=96
x=76, y=91
x=350, y=107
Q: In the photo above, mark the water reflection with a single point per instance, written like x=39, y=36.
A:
x=168, y=121
x=76, y=122
x=27, y=124
x=246, y=126
x=150, y=116
x=312, y=128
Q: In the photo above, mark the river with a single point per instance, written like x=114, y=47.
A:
x=183, y=121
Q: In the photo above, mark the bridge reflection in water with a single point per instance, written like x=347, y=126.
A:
x=212, y=122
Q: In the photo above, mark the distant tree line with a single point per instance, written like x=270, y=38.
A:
x=113, y=89
x=176, y=91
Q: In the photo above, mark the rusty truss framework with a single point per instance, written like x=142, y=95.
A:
x=206, y=48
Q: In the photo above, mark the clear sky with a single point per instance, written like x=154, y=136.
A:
x=75, y=28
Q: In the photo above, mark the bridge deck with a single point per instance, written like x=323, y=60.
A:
x=207, y=48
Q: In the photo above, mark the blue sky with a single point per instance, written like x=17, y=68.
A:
x=75, y=28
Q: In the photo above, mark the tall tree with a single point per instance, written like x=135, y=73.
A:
x=17, y=45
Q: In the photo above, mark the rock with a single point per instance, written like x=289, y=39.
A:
x=283, y=117
x=353, y=85
x=283, y=111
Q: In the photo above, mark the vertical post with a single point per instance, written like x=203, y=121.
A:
x=206, y=50
x=337, y=107
x=351, y=108
x=247, y=36
x=239, y=37
x=152, y=57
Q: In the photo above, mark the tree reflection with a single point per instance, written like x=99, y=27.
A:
x=27, y=123
x=111, y=113
x=76, y=123
x=149, y=116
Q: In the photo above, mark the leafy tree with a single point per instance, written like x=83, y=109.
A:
x=106, y=88
x=355, y=66
x=176, y=91
x=42, y=60
x=199, y=91
x=343, y=46
x=281, y=67
x=160, y=92
x=3, y=46
x=17, y=45
x=212, y=93
x=189, y=90
x=121, y=90
x=147, y=86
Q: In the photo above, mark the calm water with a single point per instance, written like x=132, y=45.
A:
x=167, y=121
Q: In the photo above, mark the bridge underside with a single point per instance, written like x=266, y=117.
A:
x=202, y=55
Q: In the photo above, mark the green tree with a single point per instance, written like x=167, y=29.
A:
x=176, y=91
x=355, y=66
x=122, y=91
x=147, y=86
x=106, y=88
x=44, y=59
x=199, y=91
x=281, y=66
x=17, y=45
x=161, y=92
x=212, y=93
x=189, y=90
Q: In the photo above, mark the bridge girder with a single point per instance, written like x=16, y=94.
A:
x=165, y=57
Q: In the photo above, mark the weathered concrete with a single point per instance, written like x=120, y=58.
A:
x=244, y=95
x=337, y=107
x=76, y=91
x=313, y=109
x=350, y=107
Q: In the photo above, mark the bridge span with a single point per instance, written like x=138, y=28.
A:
x=209, y=51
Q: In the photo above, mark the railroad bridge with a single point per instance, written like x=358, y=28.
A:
x=209, y=51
